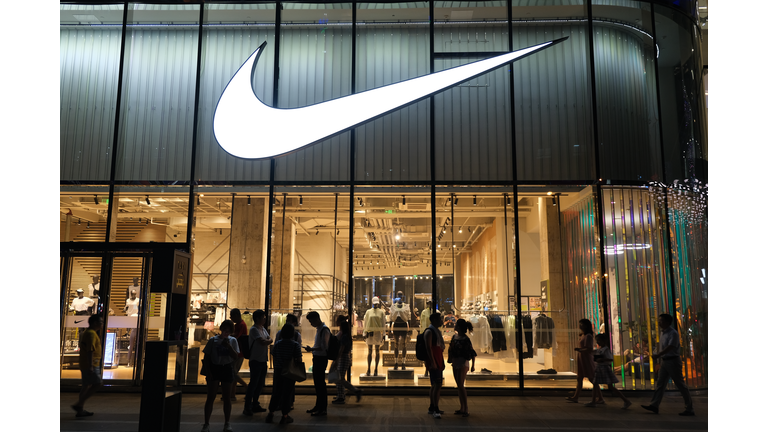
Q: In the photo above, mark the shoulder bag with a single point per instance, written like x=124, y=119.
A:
x=295, y=371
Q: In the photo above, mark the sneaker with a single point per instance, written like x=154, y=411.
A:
x=687, y=413
x=338, y=402
x=247, y=412
x=358, y=395
x=227, y=428
x=258, y=409
x=83, y=413
x=269, y=418
x=206, y=428
x=436, y=415
x=590, y=404
x=652, y=408
x=286, y=419
x=627, y=404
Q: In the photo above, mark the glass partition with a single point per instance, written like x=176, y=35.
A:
x=553, y=110
x=90, y=37
x=627, y=108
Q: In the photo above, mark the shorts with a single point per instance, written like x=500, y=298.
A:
x=400, y=330
x=223, y=373
x=435, y=377
x=91, y=377
x=375, y=338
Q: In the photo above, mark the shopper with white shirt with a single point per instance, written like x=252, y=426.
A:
x=319, y=363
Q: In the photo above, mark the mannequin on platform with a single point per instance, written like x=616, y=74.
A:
x=81, y=304
x=399, y=315
x=373, y=329
x=131, y=308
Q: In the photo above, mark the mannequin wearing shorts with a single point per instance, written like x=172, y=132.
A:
x=399, y=315
x=373, y=330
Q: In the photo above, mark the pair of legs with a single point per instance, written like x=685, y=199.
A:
x=258, y=375
x=343, y=383
x=597, y=395
x=91, y=384
x=318, y=377
x=460, y=374
x=671, y=368
x=579, y=386
x=237, y=364
x=436, y=383
x=282, y=393
x=370, y=357
x=213, y=386
x=400, y=341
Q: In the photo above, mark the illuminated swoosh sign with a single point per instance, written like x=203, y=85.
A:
x=245, y=127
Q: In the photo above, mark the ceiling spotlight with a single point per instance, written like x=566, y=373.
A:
x=78, y=221
x=317, y=232
x=474, y=199
x=249, y=200
x=147, y=221
x=455, y=201
x=146, y=198
x=88, y=225
x=549, y=193
x=301, y=200
x=460, y=230
x=95, y=199
x=508, y=200
x=198, y=200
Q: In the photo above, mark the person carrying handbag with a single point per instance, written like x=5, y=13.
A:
x=343, y=363
x=286, y=350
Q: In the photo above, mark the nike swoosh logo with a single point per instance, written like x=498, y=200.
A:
x=78, y=322
x=247, y=128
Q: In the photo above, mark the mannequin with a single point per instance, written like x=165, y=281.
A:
x=398, y=316
x=81, y=304
x=373, y=329
x=131, y=308
x=134, y=286
x=93, y=288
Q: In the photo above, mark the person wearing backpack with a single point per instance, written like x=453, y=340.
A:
x=240, y=331
x=319, y=362
x=435, y=345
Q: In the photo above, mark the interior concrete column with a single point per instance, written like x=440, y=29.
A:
x=248, y=254
x=552, y=270
x=283, y=252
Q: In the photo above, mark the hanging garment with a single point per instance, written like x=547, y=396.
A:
x=528, y=336
x=510, y=332
x=248, y=318
x=542, y=334
x=498, y=338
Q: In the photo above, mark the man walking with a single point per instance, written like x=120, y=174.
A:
x=671, y=367
x=90, y=364
x=319, y=363
x=259, y=340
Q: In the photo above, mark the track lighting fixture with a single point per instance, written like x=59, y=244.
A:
x=147, y=221
x=508, y=201
x=317, y=232
x=95, y=199
x=88, y=225
x=78, y=221
x=221, y=231
x=474, y=199
x=455, y=201
x=249, y=200
x=403, y=199
x=146, y=198
x=198, y=200
x=301, y=200
x=460, y=230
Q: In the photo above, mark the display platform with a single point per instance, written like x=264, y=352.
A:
x=400, y=374
x=373, y=378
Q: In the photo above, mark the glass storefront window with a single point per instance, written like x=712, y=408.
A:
x=471, y=27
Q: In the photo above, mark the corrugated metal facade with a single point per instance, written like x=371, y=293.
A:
x=553, y=113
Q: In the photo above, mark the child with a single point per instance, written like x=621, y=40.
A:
x=604, y=374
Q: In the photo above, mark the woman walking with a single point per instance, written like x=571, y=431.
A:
x=220, y=354
x=585, y=364
x=460, y=353
x=285, y=351
x=343, y=363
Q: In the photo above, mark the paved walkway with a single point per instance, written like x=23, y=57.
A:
x=120, y=412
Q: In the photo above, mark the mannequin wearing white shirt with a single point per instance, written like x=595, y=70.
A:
x=398, y=316
x=134, y=286
x=81, y=304
x=131, y=308
x=373, y=326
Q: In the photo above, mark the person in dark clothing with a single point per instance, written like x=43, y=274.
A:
x=285, y=350
x=671, y=367
x=319, y=363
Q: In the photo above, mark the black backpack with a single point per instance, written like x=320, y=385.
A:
x=333, y=346
x=421, y=346
x=244, y=342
